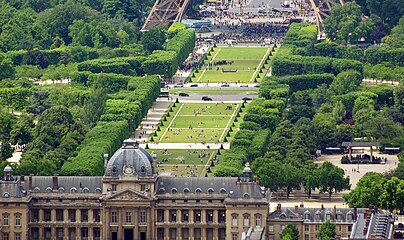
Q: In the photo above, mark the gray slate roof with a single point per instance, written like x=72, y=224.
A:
x=212, y=185
x=81, y=184
x=131, y=157
x=10, y=189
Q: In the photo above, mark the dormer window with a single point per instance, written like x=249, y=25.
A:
x=174, y=190
x=61, y=189
x=86, y=190
x=162, y=190
x=246, y=195
x=48, y=189
x=198, y=190
x=328, y=216
x=210, y=190
x=282, y=216
x=223, y=191
x=73, y=190
x=6, y=194
x=318, y=216
x=37, y=189
x=349, y=216
x=98, y=190
x=339, y=216
x=186, y=190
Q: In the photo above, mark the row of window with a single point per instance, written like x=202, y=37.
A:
x=185, y=233
x=71, y=215
x=71, y=233
x=246, y=220
x=128, y=216
x=17, y=236
x=6, y=219
x=198, y=190
x=307, y=228
x=328, y=216
x=185, y=216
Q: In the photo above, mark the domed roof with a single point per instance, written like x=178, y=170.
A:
x=8, y=169
x=247, y=170
x=130, y=160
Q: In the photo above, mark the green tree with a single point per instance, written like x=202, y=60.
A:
x=6, y=150
x=6, y=67
x=39, y=102
x=291, y=178
x=347, y=81
x=366, y=192
x=94, y=106
x=392, y=195
x=338, y=112
x=331, y=179
x=292, y=231
x=310, y=178
x=23, y=130
x=153, y=39
x=269, y=172
x=327, y=230
x=123, y=37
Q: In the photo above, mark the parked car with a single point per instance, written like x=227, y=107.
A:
x=244, y=85
x=182, y=94
x=179, y=85
x=225, y=85
x=246, y=99
x=257, y=86
x=206, y=98
x=194, y=85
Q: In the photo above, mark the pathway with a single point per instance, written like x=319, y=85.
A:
x=185, y=145
x=148, y=124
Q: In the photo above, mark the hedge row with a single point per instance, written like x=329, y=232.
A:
x=385, y=72
x=303, y=82
x=250, y=142
x=69, y=54
x=123, y=113
x=298, y=65
x=15, y=98
x=126, y=66
x=182, y=43
x=44, y=58
x=372, y=55
x=301, y=35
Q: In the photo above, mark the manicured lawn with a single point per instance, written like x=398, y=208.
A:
x=245, y=62
x=180, y=156
x=197, y=123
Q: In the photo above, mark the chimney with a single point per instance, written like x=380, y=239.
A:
x=21, y=178
x=278, y=208
x=322, y=206
x=335, y=212
x=30, y=181
x=55, y=182
x=106, y=158
x=301, y=205
x=355, y=213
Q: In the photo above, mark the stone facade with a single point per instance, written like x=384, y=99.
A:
x=130, y=201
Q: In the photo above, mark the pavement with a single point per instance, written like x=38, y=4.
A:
x=351, y=170
x=185, y=145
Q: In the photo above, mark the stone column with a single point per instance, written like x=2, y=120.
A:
x=191, y=216
x=78, y=215
x=90, y=215
x=167, y=216
x=41, y=216
x=65, y=215
x=65, y=233
x=215, y=216
x=179, y=216
x=105, y=220
x=120, y=220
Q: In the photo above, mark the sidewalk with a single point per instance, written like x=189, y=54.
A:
x=185, y=145
x=148, y=124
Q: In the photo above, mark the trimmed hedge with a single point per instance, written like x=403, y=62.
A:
x=298, y=65
x=123, y=113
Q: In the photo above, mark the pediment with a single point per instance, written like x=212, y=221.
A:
x=129, y=194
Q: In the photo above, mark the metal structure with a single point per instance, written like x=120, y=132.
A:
x=165, y=11
x=322, y=10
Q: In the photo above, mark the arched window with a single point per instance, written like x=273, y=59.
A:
x=318, y=216
x=6, y=194
x=37, y=189
x=246, y=195
x=73, y=190
x=162, y=190
x=198, y=190
x=98, y=190
x=174, y=190
x=210, y=190
x=328, y=215
x=61, y=189
x=349, y=216
x=86, y=190
x=339, y=216
x=282, y=216
x=223, y=190
x=48, y=189
x=186, y=190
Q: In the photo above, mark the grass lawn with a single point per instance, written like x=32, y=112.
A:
x=182, y=156
x=197, y=122
x=246, y=63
